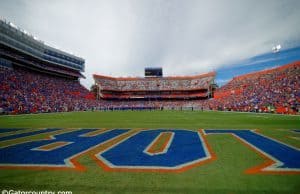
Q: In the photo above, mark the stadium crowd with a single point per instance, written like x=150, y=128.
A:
x=152, y=84
x=273, y=90
x=25, y=91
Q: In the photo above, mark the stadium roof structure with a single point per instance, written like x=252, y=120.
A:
x=210, y=74
x=20, y=47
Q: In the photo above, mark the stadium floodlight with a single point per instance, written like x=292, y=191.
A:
x=13, y=25
x=276, y=48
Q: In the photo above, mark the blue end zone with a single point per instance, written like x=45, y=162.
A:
x=185, y=147
x=22, y=154
x=4, y=130
x=287, y=155
x=28, y=134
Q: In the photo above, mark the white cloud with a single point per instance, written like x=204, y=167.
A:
x=120, y=38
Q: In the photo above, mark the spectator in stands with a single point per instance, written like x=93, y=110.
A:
x=25, y=91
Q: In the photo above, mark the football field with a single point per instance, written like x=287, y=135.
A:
x=254, y=153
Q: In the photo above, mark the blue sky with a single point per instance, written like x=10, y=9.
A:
x=257, y=63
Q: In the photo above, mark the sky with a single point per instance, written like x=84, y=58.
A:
x=184, y=37
x=257, y=63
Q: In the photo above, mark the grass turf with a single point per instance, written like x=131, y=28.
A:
x=224, y=175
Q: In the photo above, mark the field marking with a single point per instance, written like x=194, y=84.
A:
x=293, y=137
x=9, y=130
x=71, y=162
x=108, y=166
x=21, y=140
x=95, y=133
x=28, y=134
x=52, y=146
x=9, y=133
x=150, y=149
x=270, y=166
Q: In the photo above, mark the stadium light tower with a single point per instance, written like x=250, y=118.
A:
x=276, y=48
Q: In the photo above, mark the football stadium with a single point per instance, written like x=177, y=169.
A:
x=156, y=133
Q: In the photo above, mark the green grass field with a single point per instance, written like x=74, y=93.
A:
x=226, y=174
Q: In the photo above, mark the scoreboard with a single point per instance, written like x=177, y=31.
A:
x=153, y=72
